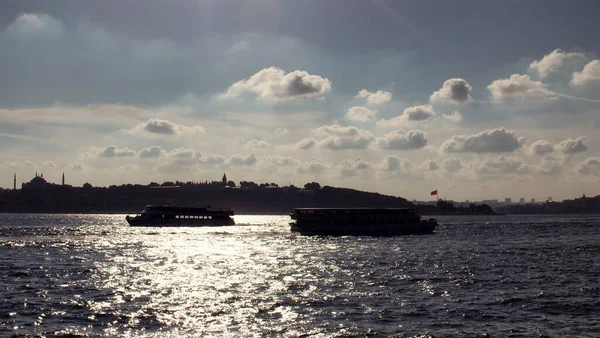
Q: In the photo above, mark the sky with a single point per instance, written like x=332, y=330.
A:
x=475, y=99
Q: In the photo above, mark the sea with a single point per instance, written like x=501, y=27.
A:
x=476, y=276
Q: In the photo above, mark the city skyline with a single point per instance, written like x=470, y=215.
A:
x=401, y=98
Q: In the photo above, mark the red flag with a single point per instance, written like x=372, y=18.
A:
x=434, y=192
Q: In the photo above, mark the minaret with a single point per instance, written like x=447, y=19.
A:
x=15, y=182
x=63, y=180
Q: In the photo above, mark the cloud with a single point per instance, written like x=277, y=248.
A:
x=454, y=117
x=256, y=144
x=313, y=166
x=454, y=91
x=430, y=165
x=30, y=26
x=306, y=143
x=396, y=165
x=410, y=114
x=152, y=152
x=403, y=140
x=77, y=166
x=336, y=137
x=361, y=114
x=589, y=74
x=357, y=167
x=164, y=127
x=273, y=84
x=239, y=160
x=115, y=152
x=184, y=159
x=550, y=165
x=488, y=141
x=502, y=165
x=590, y=166
x=519, y=86
x=452, y=165
x=572, y=146
x=281, y=131
x=540, y=147
x=49, y=164
x=379, y=97
x=19, y=164
x=130, y=167
x=552, y=62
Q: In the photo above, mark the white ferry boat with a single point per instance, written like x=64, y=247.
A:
x=163, y=215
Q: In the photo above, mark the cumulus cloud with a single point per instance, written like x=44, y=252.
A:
x=589, y=74
x=306, y=143
x=361, y=114
x=184, y=159
x=590, y=166
x=550, y=165
x=378, y=97
x=164, y=127
x=454, y=91
x=256, y=144
x=502, y=165
x=77, y=166
x=36, y=26
x=430, y=165
x=552, y=62
x=519, y=86
x=130, y=167
x=152, y=152
x=572, y=145
x=357, y=167
x=397, y=165
x=403, y=140
x=336, y=137
x=488, y=141
x=454, y=117
x=452, y=165
x=115, y=152
x=410, y=114
x=540, y=147
x=281, y=131
x=313, y=166
x=239, y=160
x=49, y=164
x=273, y=84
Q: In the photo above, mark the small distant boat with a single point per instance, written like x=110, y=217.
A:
x=166, y=215
x=360, y=221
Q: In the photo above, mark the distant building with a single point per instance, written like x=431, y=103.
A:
x=522, y=200
x=508, y=200
x=15, y=182
x=224, y=180
x=533, y=200
x=63, y=179
x=549, y=198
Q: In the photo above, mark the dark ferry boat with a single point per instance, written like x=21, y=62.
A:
x=360, y=221
x=164, y=215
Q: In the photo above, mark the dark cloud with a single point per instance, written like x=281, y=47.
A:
x=115, y=152
x=572, y=146
x=541, y=147
x=454, y=91
x=152, y=152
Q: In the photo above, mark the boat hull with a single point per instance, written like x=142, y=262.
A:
x=158, y=222
x=425, y=227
